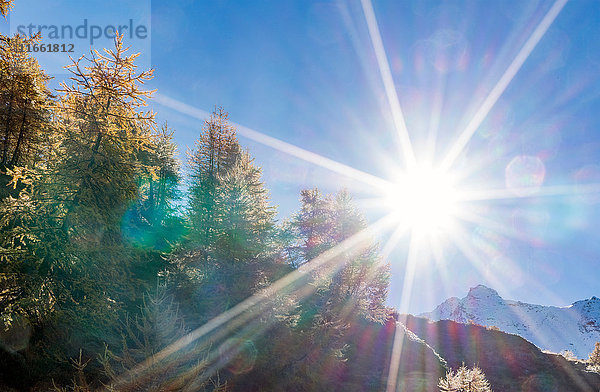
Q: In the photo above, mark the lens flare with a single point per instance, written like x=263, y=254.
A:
x=525, y=175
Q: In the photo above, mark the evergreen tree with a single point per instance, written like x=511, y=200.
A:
x=244, y=216
x=64, y=262
x=25, y=108
x=217, y=151
x=359, y=284
x=230, y=245
x=154, y=221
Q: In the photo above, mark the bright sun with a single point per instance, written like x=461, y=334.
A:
x=425, y=199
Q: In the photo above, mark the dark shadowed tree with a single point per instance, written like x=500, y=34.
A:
x=154, y=220
x=348, y=288
x=358, y=282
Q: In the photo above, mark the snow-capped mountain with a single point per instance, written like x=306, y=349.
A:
x=575, y=327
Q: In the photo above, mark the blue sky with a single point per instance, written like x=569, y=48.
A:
x=305, y=72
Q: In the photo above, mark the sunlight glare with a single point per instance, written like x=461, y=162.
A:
x=388, y=84
x=424, y=198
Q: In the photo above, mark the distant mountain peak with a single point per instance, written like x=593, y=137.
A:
x=482, y=291
x=575, y=327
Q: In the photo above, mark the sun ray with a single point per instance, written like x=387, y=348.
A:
x=434, y=121
x=530, y=192
x=411, y=267
x=407, y=284
x=476, y=261
x=370, y=203
x=213, y=363
x=392, y=379
x=464, y=138
x=259, y=300
x=440, y=263
x=279, y=145
x=388, y=84
x=391, y=243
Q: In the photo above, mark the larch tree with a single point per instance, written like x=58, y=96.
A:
x=157, y=325
x=229, y=248
x=313, y=224
x=65, y=264
x=26, y=133
x=349, y=287
x=25, y=108
x=153, y=221
x=106, y=134
x=362, y=283
x=465, y=379
x=358, y=281
x=25, y=129
x=5, y=6
x=106, y=131
x=245, y=218
x=217, y=151
x=594, y=358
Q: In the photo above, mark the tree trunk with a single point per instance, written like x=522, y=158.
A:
x=7, y=128
x=16, y=154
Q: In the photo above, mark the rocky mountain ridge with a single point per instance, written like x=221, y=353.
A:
x=575, y=327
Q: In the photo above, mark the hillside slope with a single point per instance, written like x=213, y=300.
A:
x=510, y=363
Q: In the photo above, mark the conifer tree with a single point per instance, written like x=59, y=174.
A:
x=5, y=6
x=360, y=282
x=64, y=261
x=106, y=132
x=465, y=380
x=217, y=151
x=594, y=358
x=231, y=237
x=25, y=108
x=245, y=218
x=313, y=224
x=154, y=220
x=26, y=134
x=156, y=326
x=350, y=288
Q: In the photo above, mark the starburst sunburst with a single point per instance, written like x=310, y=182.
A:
x=424, y=200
